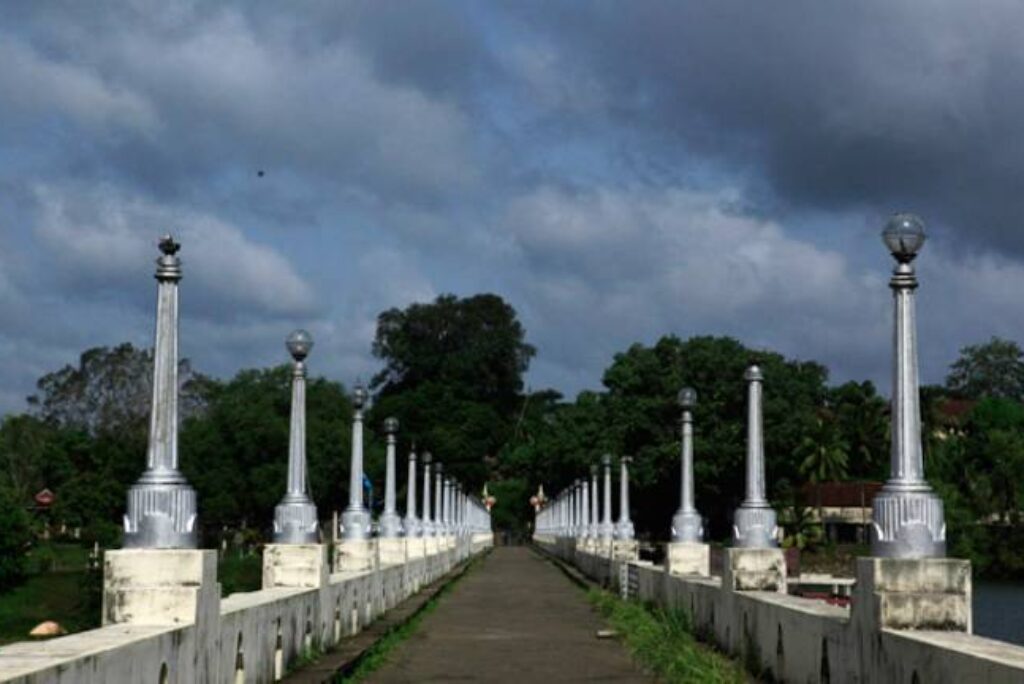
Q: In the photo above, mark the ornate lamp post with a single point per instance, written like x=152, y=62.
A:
x=161, y=504
x=687, y=525
x=390, y=523
x=428, y=520
x=355, y=521
x=295, y=520
x=440, y=523
x=607, y=528
x=595, y=506
x=907, y=516
x=624, y=528
x=754, y=522
x=411, y=524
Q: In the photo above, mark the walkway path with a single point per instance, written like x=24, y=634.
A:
x=514, y=618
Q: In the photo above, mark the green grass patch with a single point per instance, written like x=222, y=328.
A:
x=663, y=642
x=237, y=572
x=65, y=597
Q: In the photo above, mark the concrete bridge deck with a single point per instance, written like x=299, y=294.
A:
x=514, y=618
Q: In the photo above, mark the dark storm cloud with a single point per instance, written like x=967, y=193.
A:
x=828, y=105
x=616, y=171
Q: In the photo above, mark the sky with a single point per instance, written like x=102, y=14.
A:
x=616, y=171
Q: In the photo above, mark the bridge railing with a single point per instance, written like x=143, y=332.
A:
x=910, y=619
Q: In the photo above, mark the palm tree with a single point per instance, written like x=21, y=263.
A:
x=824, y=454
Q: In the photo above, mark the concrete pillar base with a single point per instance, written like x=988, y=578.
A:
x=625, y=549
x=688, y=558
x=920, y=593
x=430, y=546
x=355, y=555
x=415, y=547
x=391, y=550
x=159, y=586
x=294, y=565
x=754, y=570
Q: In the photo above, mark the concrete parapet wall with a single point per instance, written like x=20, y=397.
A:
x=247, y=637
x=803, y=640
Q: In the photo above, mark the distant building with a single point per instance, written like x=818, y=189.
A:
x=845, y=508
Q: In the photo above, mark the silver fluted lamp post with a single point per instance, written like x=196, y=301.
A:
x=624, y=528
x=355, y=521
x=427, y=523
x=390, y=523
x=439, y=522
x=595, y=505
x=687, y=525
x=295, y=520
x=907, y=516
x=755, y=521
x=411, y=524
x=607, y=528
x=585, y=528
x=161, y=505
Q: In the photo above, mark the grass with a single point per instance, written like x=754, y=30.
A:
x=663, y=643
x=237, y=572
x=68, y=597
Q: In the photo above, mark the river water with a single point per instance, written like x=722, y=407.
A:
x=999, y=611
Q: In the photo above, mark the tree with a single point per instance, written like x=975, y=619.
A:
x=823, y=451
x=32, y=455
x=992, y=369
x=638, y=415
x=110, y=391
x=474, y=347
x=452, y=375
x=861, y=419
x=15, y=536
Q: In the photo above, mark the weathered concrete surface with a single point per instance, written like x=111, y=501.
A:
x=801, y=640
x=158, y=586
x=688, y=558
x=356, y=555
x=391, y=551
x=516, y=618
x=755, y=570
x=294, y=565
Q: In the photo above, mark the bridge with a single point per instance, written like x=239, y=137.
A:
x=515, y=616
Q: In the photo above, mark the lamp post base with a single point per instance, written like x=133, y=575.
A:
x=755, y=527
x=296, y=523
x=355, y=524
x=687, y=526
x=907, y=522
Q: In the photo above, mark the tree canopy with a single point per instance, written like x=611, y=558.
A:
x=452, y=373
x=992, y=369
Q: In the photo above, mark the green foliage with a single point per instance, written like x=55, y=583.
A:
x=239, y=572
x=452, y=376
x=823, y=451
x=992, y=369
x=240, y=444
x=979, y=472
x=15, y=536
x=638, y=414
x=664, y=643
x=51, y=596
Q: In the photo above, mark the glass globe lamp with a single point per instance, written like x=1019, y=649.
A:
x=299, y=344
x=904, y=235
x=687, y=398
